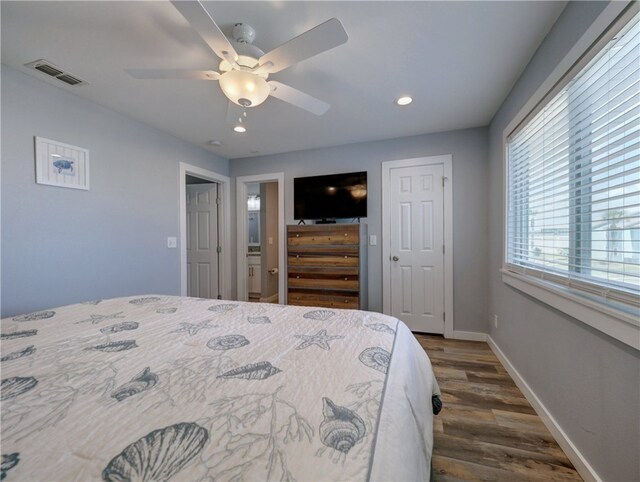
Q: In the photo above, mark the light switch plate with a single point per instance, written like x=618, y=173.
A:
x=172, y=242
x=373, y=240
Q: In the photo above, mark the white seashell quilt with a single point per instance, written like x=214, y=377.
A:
x=154, y=388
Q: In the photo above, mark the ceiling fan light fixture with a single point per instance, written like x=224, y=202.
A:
x=244, y=88
x=240, y=129
x=404, y=100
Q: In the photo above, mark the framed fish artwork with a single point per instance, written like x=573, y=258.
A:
x=61, y=165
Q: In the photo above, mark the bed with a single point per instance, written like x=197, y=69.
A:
x=175, y=388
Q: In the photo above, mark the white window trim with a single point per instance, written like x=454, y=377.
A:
x=623, y=325
x=619, y=324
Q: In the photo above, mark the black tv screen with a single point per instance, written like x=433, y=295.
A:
x=328, y=197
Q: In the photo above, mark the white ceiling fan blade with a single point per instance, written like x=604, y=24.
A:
x=161, y=74
x=207, y=28
x=297, y=98
x=262, y=69
x=323, y=37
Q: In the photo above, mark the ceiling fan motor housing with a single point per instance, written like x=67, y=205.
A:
x=243, y=33
x=248, y=54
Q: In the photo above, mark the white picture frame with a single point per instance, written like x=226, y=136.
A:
x=61, y=165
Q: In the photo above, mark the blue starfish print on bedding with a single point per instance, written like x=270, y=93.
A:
x=194, y=328
x=94, y=319
x=321, y=339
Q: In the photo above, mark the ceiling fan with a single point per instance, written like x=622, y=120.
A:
x=245, y=68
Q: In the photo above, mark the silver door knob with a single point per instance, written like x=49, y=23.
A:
x=395, y=258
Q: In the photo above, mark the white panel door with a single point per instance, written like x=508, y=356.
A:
x=417, y=246
x=202, y=240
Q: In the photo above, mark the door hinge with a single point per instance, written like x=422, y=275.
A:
x=219, y=297
x=444, y=316
x=218, y=201
x=219, y=249
x=443, y=249
x=443, y=180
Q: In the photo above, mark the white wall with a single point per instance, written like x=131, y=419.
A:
x=61, y=246
x=470, y=199
x=588, y=381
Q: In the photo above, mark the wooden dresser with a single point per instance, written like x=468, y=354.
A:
x=326, y=265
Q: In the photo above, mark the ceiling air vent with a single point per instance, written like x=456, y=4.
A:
x=56, y=72
x=69, y=79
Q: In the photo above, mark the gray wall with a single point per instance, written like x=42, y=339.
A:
x=588, y=381
x=470, y=198
x=61, y=246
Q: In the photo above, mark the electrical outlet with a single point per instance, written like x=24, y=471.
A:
x=373, y=240
x=172, y=242
x=495, y=321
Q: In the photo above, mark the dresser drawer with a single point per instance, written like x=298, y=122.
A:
x=328, y=256
x=322, y=234
x=324, y=278
x=325, y=299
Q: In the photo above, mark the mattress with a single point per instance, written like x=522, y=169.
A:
x=174, y=388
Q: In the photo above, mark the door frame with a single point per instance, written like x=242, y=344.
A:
x=224, y=187
x=447, y=162
x=241, y=231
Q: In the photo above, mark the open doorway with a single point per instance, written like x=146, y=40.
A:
x=204, y=233
x=260, y=214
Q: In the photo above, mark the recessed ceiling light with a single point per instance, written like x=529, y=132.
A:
x=404, y=100
x=214, y=143
x=240, y=129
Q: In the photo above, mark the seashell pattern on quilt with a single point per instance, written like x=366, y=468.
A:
x=40, y=315
x=16, y=386
x=30, y=350
x=124, y=326
x=341, y=428
x=9, y=461
x=159, y=455
x=141, y=382
x=131, y=389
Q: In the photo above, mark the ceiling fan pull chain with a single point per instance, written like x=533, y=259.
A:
x=243, y=116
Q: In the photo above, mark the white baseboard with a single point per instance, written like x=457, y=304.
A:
x=577, y=459
x=469, y=335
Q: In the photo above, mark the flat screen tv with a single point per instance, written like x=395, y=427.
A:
x=330, y=197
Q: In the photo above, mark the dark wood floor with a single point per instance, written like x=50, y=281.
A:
x=487, y=430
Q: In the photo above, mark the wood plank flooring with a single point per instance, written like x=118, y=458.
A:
x=487, y=430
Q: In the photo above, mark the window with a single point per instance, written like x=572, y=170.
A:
x=573, y=182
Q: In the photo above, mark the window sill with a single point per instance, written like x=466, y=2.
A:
x=605, y=317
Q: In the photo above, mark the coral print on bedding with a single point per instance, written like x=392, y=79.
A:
x=172, y=388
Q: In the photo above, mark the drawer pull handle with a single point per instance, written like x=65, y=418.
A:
x=297, y=235
x=297, y=277
x=345, y=235
x=297, y=297
x=346, y=301
x=346, y=279
x=297, y=256
x=346, y=257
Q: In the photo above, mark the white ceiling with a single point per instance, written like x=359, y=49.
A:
x=457, y=59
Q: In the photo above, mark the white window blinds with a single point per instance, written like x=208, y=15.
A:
x=573, y=214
